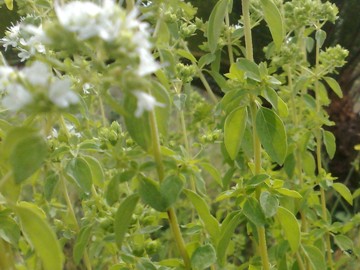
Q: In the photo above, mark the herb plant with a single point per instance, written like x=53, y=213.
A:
x=112, y=157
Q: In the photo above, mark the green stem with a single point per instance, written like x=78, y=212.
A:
x=257, y=146
x=318, y=138
x=73, y=217
x=102, y=111
x=228, y=36
x=174, y=225
x=207, y=86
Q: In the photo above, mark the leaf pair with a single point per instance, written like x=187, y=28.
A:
x=160, y=197
x=269, y=127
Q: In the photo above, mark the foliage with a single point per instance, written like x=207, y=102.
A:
x=112, y=158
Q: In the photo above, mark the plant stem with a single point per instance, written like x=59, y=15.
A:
x=318, y=138
x=207, y=86
x=257, y=146
x=228, y=36
x=73, y=217
x=174, y=225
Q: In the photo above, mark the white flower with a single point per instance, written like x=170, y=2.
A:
x=147, y=63
x=87, y=19
x=12, y=36
x=37, y=74
x=17, y=97
x=145, y=102
x=61, y=95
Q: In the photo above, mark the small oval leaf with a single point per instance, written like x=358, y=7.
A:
x=216, y=21
x=234, y=129
x=274, y=20
x=271, y=132
x=344, y=192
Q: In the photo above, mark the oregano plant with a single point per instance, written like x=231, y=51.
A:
x=137, y=135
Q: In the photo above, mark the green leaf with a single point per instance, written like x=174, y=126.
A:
x=251, y=69
x=50, y=183
x=334, y=85
x=227, y=231
x=159, y=92
x=271, y=132
x=79, y=171
x=290, y=227
x=38, y=232
x=344, y=242
x=269, y=204
x=149, y=192
x=309, y=165
x=203, y=257
x=320, y=36
x=138, y=127
x=9, y=230
x=9, y=4
x=186, y=55
x=123, y=217
x=213, y=172
x=252, y=210
x=234, y=128
x=216, y=22
x=210, y=222
x=344, y=192
x=257, y=180
x=274, y=21
x=27, y=156
x=289, y=193
x=330, y=144
x=160, y=197
x=81, y=242
x=170, y=189
x=316, y=257
x=96, y=169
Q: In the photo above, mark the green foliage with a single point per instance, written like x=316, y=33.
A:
x=113, y=156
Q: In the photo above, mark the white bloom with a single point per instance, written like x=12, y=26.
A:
x=37, y=74
x=12, y=36
x=145, y=102
x=87, y=19
x=87, y=87
x=61, y=95
x=16, y=98
x=32, y=41
x=147, y=63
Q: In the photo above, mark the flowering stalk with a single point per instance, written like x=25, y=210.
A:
x=318, y=138
x=256, y=141
x=161, y=174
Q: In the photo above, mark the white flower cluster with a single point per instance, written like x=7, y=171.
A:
x=145, y=102
x=27, y=38
x=20, y=86
x=108, y=22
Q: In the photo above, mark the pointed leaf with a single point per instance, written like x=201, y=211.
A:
x=289, y=193
x=234, y=128
x=123, y=217
x=316, y=257
x=79, y=171
x=274, y=21
x=210, y=222
x=227, y=231
x=330, y=144
x=42, y=238
x=290, y=227
x=170, y=189
x=344, y=192
x=344, y=242
x=216, y=21
x=334, y=85
x=80, y=243
x=252, y=210
x=149, y=192
x=271, y=132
